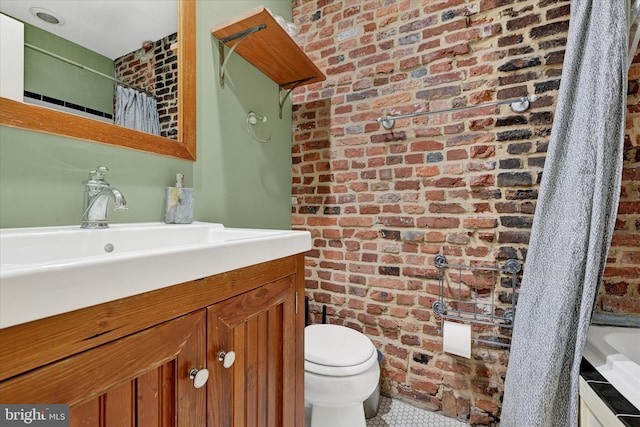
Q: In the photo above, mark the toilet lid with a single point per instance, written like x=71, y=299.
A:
x=334, y=345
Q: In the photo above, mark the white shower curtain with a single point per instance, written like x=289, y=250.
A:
x=573, y=221
x=137, y=110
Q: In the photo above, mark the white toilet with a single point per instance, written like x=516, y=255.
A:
x=340, y=372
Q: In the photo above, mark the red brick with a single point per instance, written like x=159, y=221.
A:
x=432, y=175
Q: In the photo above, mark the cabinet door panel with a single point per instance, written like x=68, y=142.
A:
x=147, y=400
x=156, y=396
x=275, y=386
x=137, y=380
x=85, y=414
x=119, y=405
x=259, y=326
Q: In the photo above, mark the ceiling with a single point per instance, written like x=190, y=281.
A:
x=110, y=27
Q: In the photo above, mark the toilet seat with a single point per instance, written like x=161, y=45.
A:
x=338, y=351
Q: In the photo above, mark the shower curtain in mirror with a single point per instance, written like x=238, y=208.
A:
x=573, y=221
x=137, y=110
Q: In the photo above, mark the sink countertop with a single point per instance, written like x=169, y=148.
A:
x=46, y=271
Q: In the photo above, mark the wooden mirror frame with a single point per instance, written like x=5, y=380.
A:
x=41, y=119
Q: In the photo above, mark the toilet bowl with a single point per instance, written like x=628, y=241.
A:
x=340, y=371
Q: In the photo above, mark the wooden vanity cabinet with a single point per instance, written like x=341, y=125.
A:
x=140, y=379
x=260, y=387
x=128, y=362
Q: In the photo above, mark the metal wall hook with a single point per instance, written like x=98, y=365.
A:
x=258, y=121
x=254, y=119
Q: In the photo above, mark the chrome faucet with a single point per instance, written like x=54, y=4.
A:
x=97, y=193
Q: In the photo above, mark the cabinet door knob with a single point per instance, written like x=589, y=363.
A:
x=199, y=377
x=227, y=358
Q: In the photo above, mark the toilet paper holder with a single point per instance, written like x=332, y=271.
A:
x=474, y=299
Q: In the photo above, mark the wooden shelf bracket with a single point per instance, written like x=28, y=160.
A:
x=239, y=36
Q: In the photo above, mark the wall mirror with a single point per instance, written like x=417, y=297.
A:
x=183, y=145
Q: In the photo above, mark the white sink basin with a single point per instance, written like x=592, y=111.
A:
x=51, y=270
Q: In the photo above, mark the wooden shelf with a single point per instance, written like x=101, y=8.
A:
x=270, y=49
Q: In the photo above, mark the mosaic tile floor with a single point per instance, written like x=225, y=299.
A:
x=395, y=413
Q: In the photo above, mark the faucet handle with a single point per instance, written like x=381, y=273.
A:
x=98, y=173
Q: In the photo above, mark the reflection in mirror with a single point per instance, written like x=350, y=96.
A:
x=137, y=90
x=133, y=84
x=146, y=92
x=73, y=70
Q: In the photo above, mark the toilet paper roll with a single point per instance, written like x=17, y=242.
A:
x=456, y=339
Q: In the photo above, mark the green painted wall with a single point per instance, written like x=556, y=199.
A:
x=237, y=181
x=49, y=76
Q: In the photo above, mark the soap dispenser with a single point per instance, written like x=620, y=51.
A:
x=178, y=207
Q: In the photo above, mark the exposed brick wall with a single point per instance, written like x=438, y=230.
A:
x=155, y=72
x=620, y=289
x=381, y=204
